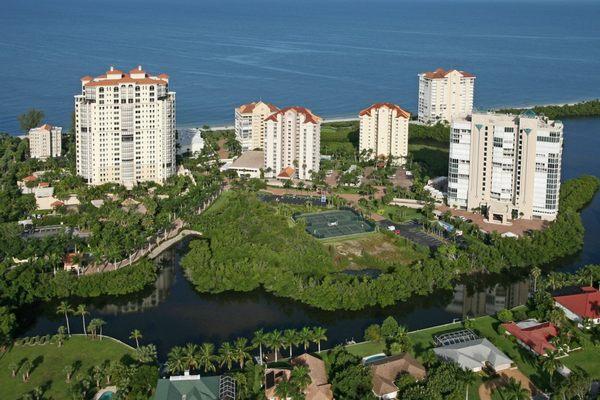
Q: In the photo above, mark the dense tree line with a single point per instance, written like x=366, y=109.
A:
x=248, y=246
x=589, y=108
x=425, y=134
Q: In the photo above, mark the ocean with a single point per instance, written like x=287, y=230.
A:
x=333, y=56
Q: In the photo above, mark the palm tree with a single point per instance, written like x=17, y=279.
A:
x=97, y=374
x=260, y=338
x=81, y=310
x=100, y=323
x=305, y=336
x=37, y=393
x=587, y=275
x=206, y=357
x=14, y=368
x=319, y=335
x=513, y=390
x=136, y=335
x=146, y=354
x=26, y=368
x=60, y=335
x=65, y=308
x=191, y=356
x=241, y=351
x=92, y=328
x=300, y=377
x=275, y=341
x=176, y=360
x=551, y=363
x=289, y=339
x=68, y=370
x=226, y=355
x=536, y=273
x=284, y=389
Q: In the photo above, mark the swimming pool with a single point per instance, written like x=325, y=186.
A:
x=371, y=359
x=106, y=395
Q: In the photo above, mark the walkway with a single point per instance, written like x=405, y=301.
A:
x=157, y=244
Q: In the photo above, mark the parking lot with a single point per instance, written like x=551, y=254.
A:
x=414, y=232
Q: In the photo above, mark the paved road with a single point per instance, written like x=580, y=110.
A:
x=53, y=230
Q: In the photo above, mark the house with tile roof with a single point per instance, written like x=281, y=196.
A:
x=318, y=388
x=474, y=355
x=195, y=387
x=385, y=372
x=584, y=305
x=533, y=335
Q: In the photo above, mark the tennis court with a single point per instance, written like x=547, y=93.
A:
x=334, y=223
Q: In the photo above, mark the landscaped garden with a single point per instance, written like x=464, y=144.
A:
x=43, y=366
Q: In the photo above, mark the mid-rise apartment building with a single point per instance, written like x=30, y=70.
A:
x=384, y=131
x=45, y=141
x=125, y=128
x=291, y=146
x=506, y=165
x=250, y=124
x=445, y=95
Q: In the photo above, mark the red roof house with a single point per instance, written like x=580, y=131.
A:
x=534, y=335
x=585, y=304
x=286, y=173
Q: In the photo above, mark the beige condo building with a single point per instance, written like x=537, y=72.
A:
x=507, y=164
x=45, y=141
x=384, y=131
x=125, y=128
x=292, y=143
x=250, y=124
x=445, y=95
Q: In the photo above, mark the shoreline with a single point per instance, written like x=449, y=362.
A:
x=220, y=126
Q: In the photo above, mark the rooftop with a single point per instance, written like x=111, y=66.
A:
x=309, y=117
x=442, y=73
x=401, y=112
x=474, y=354
x=585, y=304
x=536, y=335
x=254, y=159
x=249, y=107
x=190, y=387
x=386, y=370
x=115, y=77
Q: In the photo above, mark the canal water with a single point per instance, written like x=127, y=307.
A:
x=172, y=313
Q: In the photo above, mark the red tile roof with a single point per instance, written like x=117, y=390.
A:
x=287, y=172
x=29, y=178
x=376, y=106
x=45, y=127
x=44, y=184
x=441, y=73
x=248, y=108
x=537, y=337
x=57, y=203
x=137, y=70
x=102, y=80
x=309, y=117
x=585, y=304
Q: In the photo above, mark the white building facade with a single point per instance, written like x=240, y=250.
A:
x=125, y=128
x=250, y=124
x=292, y=143
x=445, y=95
x=45, y=141
x=384, y=131
x=506, y=164
x=189, y=141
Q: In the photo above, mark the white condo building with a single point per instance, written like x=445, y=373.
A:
x=250, y=124
x=292, y=143
x=506, y=163
x=384, y=131
x=445, y=95
x=125, y=128
x=45, y=141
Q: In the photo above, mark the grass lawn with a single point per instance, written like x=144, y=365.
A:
x=48, y=362
x=375, y=250
x=400, y=213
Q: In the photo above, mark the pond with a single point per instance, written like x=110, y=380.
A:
x=172, y=313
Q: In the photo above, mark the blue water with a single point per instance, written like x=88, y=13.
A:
x=334, y=56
